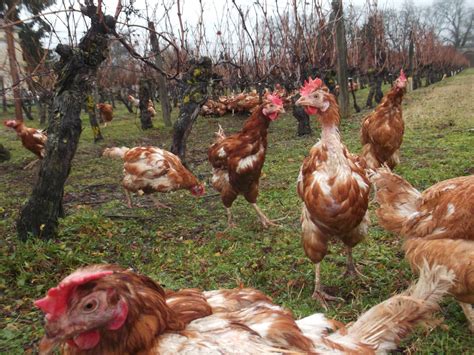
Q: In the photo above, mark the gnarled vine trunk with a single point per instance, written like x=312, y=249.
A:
x=39, y=217
x=145, y=95
x=194, y=95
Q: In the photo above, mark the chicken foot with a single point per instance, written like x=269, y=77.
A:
x=469, y=313
x=30, y=165
x=159, y=204
x=318, y=293
x=351, y=268
x=266, y=222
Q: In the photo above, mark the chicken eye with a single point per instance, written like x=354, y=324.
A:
x=90, y=306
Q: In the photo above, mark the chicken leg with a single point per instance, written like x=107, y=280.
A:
x=230, y=219
x=469, y=313
x=30, y=165
x=318, y=293
x=351, y=268
x=128, y=196
x=266, y=222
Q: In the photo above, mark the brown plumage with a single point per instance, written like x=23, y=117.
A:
x=333, y=186
x=213, y=108
x=106, y=112
x=151, y=108
x=32, y=139
x=135, y=102
x=151, y=169
x=382, y=130
x=237, y=160
x=104, y=309
x=437, y=224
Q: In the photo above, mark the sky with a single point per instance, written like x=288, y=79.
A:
x=190, y=13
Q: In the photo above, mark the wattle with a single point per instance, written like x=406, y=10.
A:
x=273, y=116
x=86, y=341
x=310, y=110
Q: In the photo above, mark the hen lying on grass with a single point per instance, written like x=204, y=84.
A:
x=104, y=309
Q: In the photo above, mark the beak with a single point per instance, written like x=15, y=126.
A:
x=303, y=101
x=282, y=110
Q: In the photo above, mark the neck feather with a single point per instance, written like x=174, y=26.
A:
x=257, y=121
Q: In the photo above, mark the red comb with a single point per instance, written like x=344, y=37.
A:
x=275, y=98
x=402, y=75
x=9, y=123
x=55, y=302
x=310, y=85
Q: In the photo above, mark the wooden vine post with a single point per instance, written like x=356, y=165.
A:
x=341, y=46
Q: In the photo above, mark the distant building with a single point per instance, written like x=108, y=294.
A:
x=5, y=76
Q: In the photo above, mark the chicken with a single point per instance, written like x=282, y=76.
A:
x=437, y=225
x=135, y=102
x=237, y=160
x=382, y=130
x=213, y=108
x=32, y=139
x=151, y=108
x=151, y=169
x=106, y=112
x=104, y=309
x=333, y=186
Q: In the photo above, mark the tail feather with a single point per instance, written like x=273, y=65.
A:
x=220, y=135
x=369, y=156
x=115, y=152
x=384, y=325
x=397, y=199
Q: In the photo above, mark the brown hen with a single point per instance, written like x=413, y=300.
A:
x=382, y=130
x=104, y=309
x=437, y=224
x=32, y=139
x=333, y=186
x=106, y=112
x=237, y=160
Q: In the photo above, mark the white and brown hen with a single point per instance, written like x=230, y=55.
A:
x=104, y=309
x=437, y=224
x=151, y=169
x=333, y=186
x=238, y=159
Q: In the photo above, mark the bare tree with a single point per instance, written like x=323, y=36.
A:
x=456, y=21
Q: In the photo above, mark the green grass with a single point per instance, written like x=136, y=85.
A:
x=185, y=247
